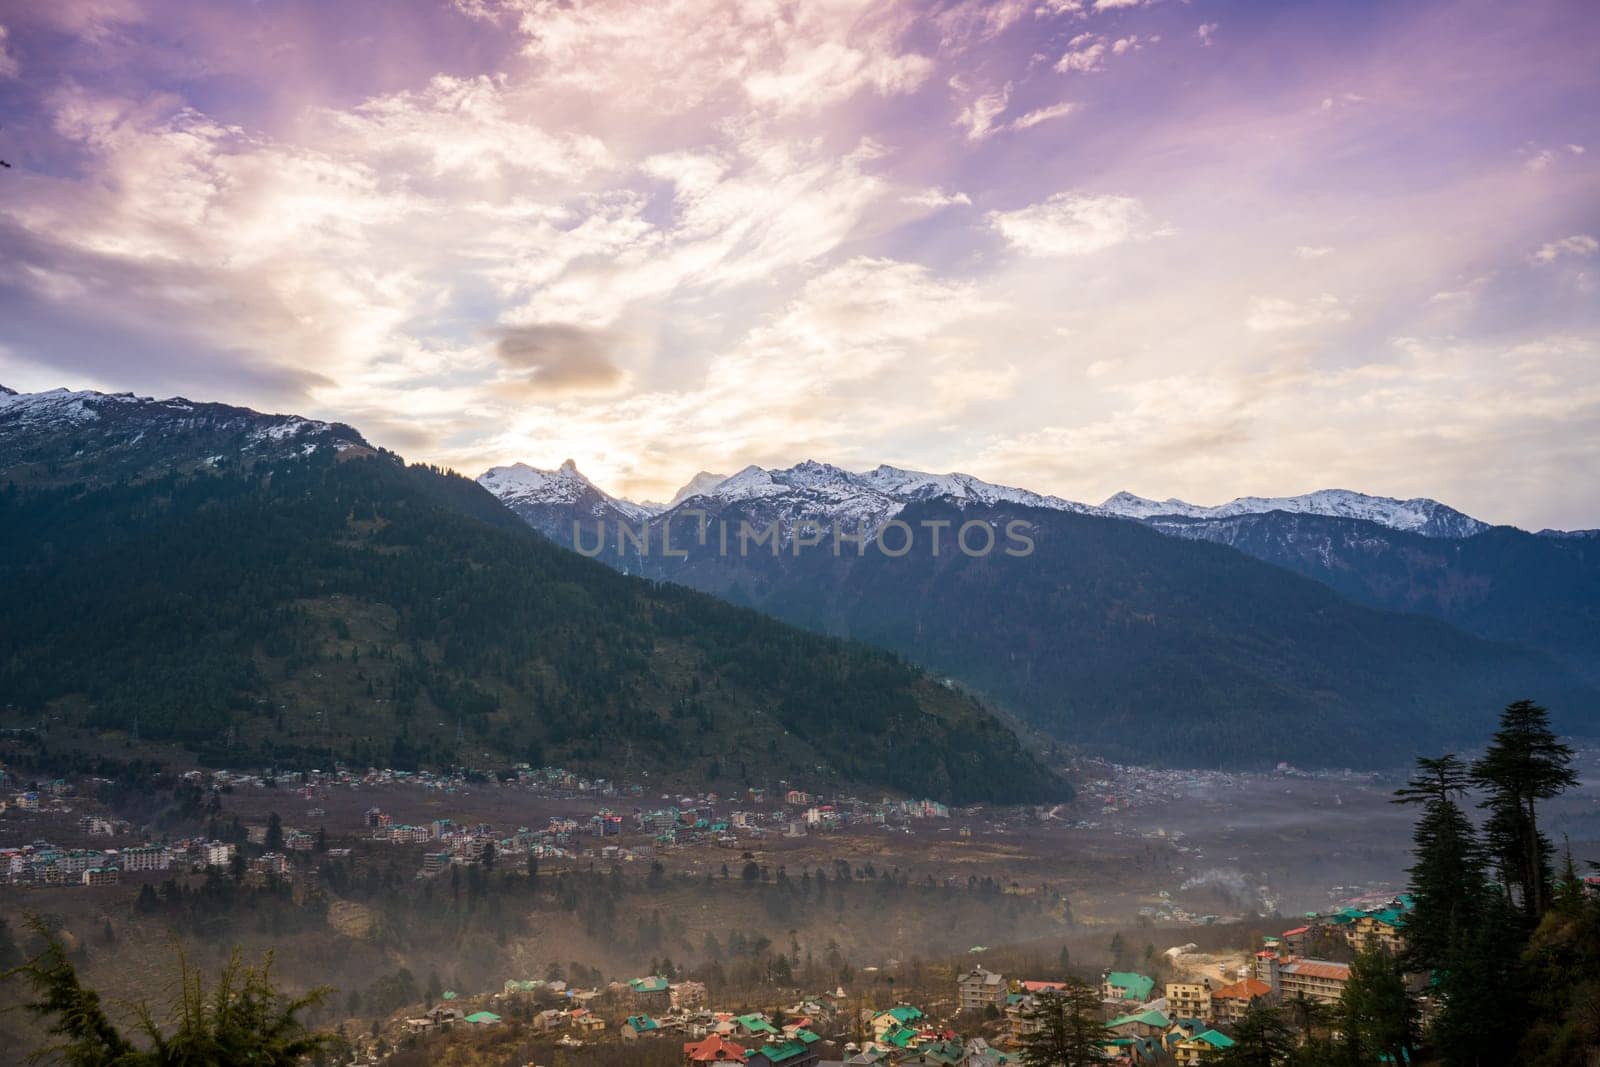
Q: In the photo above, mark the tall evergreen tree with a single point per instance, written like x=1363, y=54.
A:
x=1481, y=1010
x=1447, y=877
x=1068, y=1031
x=1379, y=1008
x=1524, y=764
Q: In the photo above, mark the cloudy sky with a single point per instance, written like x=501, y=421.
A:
x=1195, y=249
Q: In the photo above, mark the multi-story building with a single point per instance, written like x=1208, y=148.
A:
x=1188, y=1000
x=1378, y=930
x=145, y=858
x=1321, y=980
x=1230, y=1002
x=980, y=989
x=101, y=876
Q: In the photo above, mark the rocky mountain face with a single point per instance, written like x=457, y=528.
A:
x=61, y=436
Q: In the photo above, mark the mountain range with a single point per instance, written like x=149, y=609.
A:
x=836, y=492
x=1112, y=635
x=193, y=565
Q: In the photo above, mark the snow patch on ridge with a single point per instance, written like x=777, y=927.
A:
x=1417, y=515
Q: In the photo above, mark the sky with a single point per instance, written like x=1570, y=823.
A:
x=1196, y=249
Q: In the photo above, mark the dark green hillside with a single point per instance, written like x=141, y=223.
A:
x=1503, y=584
x=318, y=608
x=1156, y=649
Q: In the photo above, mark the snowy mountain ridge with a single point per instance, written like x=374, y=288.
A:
x=84, y=434
x=1419, y=515
x=520, y=486
x=812, y=490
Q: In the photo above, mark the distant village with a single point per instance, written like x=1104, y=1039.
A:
x=707, y=818
x=753, y=814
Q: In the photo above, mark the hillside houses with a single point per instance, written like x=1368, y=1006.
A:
x=44, y=864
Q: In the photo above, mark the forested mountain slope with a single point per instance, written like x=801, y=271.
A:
x=343, y=605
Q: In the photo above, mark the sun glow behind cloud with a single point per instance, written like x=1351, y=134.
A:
x=1080, y=247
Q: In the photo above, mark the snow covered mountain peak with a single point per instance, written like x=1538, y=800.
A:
x=1418, y=515
x=812, y=490
x=88, y=435
x=522, y=486
x=701, y=484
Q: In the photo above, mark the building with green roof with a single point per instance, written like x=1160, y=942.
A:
x=790, y=1053
x=756, y=1024
x=1126, y=985
x=1147, y=1021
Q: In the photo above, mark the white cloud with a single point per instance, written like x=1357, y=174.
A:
x=973, y=22
x=1578, y=246
x=977, y=118
x=1313, y=251
x=1270, y=314
x=1085, y=52
x=1207, y=31
x=678, y=55
x=1043, y=114
x=1543, y=159
x=1074, y=224
x=936, y=198
x=463, y=128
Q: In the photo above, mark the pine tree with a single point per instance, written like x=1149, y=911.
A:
x=274, y=840
x=1068, y=1032
x=1524, y=764
x=1479, y=988
x=1447, y=877
x=1378, y=1007
x=243, y=1019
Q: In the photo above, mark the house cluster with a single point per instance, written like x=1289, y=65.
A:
x=1141, y=1026
x=1284, y=963
x=1188, y=1021
x=42, y=863
x=654, y=1007
x=51, y=796
x=903, y=1035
